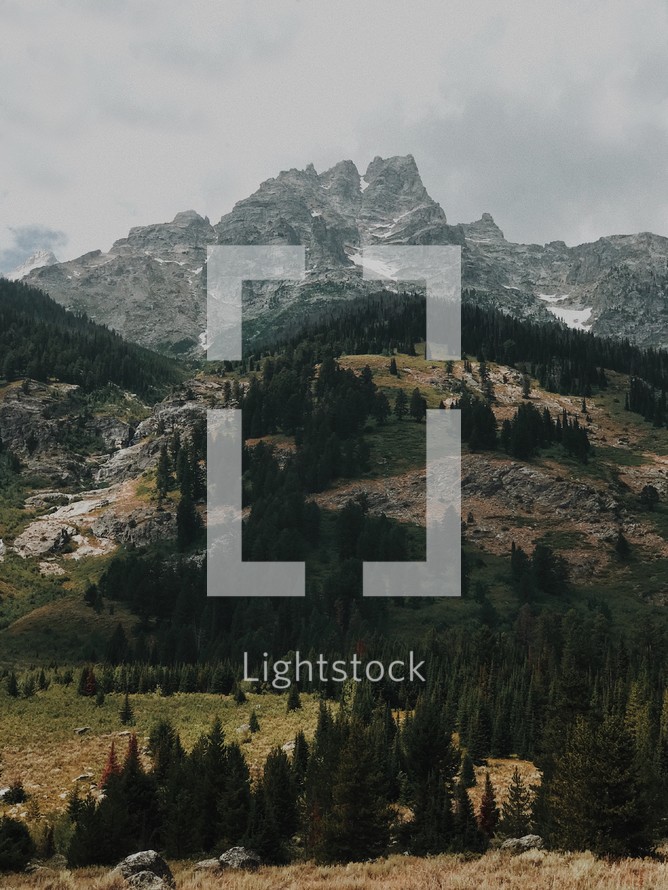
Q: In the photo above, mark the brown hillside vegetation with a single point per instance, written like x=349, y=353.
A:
x=534, y=870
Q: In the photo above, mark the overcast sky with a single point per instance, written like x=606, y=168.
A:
x=553, y=116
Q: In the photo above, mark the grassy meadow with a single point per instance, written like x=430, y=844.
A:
x=40, y=745
x=534, y=870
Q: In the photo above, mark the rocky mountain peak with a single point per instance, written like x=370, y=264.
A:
x=151, y=285
x=483, y=229
x=394, y=186
x=188, y=218
x=37, y=260
x=343, y=181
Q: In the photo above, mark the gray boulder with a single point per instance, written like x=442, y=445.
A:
x=208, y=865
x=240, y=858
x=522, y=844
x=146, y=871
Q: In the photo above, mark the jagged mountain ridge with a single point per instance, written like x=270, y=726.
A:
x=35, y=261
x=151, y=286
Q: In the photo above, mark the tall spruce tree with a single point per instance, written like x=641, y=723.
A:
x=358, y=825
x=597, y=797
x=488, y=816
x=516, y=811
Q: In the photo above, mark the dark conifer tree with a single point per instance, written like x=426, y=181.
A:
x=467, y=772
x=516, y=812
x=294, y=700
x=234, y=804
x=358, y=824
x=418, y=406
x=400, y=405
x=488, y=817
x=126, y=714
x=597, y=798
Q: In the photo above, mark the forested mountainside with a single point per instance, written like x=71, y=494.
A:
x=555, y=655
x=41, y=340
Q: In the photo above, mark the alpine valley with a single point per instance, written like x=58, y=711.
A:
x=126, y=725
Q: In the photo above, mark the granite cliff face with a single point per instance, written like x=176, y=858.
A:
x=151, y=286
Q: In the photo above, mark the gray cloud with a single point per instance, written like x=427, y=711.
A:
x=544, y=175
x=553, y=117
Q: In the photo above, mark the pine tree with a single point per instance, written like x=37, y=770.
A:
x=393, y=367
x=300, y=758
x=188, y=522
x=16, y=845
x=357, y=827
x=418, y=406
x=467, y=772
x=263, y=835
x=253, y=722
x=432, y=827
x=400, y=405
x=140, y=794
x=280, y=797
x=166, y=749
x=12, y=685
x=488, y=817
x=467, y=835
x=516, y=811
x=526, y=386
x=294, y=700
x=209, y=763
x=622, y=547
x=234, y=803
x=126, y=714
x=87, y=682
x=381, y=408
x=597, y=798
x=239, y=695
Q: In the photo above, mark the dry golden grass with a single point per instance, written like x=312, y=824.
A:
x=495, y=871
x=38, y=743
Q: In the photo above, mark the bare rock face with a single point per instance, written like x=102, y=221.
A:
x=519, y=486
x=151, y=286
x=42, y=425
x=146, y=871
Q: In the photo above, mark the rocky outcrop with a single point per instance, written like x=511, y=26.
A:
x=531, y=489
x=47, y=428
x=150, y=286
